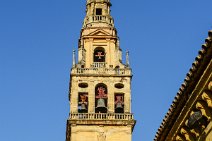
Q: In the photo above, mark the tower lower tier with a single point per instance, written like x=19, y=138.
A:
x=100, y=127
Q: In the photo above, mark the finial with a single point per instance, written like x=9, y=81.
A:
x=210, y=34
x=127, y=59
x=74, y=58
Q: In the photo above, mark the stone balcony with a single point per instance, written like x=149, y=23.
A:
x=100, y=116
x=99, y=19
x=102, y=119
x=98, y=65
x=101, y=71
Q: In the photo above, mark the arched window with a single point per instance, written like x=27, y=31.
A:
x=83, y=102
x=119, y=103
x=99, y=55
x=101, y=98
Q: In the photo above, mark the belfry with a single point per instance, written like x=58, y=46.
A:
x=100, y=83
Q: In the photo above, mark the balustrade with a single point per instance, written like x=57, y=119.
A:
x=99, y=18
x=89, y=1
x=98, y=64
x=100, y=116
x=101, y=70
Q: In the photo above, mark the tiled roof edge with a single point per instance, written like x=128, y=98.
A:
x=185, y=84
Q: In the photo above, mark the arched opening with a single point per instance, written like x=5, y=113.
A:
x=83, y=102
x=119, y=103
x=99, y=54
x=101, y=98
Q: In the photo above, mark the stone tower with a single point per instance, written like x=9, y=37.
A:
x=100, y=84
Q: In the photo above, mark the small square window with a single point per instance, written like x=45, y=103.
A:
x=98, y=11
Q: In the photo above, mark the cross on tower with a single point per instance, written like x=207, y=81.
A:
x=99, y=55
x=101, y=93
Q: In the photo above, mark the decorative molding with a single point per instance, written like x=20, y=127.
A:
x=207, y=98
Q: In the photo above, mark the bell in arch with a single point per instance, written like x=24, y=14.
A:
x=101, y=103
x=119, y=104
x=83, y=106
x=83, y=103
x=101, y=106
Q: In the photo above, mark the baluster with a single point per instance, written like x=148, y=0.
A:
x=204, y=109
x=187, y=134
x=91, y=116
x=207, y=98
x=179, y=137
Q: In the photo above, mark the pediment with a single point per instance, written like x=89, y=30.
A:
x=99, y=32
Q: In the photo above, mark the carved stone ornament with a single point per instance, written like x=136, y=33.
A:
x=101, y=137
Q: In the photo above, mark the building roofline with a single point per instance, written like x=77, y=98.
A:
x=183, y=94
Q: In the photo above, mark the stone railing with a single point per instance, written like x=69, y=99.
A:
x=99, y=18
x=98, y=65
x=102, y=71
x=89, y=1
x=100, y=116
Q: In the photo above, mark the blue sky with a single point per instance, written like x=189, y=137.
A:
x=36, y=42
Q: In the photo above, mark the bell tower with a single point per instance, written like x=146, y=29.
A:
x=100, y=83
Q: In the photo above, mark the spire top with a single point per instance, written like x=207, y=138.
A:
x=98, y=14
x=90, y=1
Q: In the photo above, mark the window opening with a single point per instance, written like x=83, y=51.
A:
x=98, y=11
x=101, y=98
x=83, y=103
x=119, y=103
x=99, y=55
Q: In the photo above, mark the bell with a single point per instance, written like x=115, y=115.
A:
x=119, y=105
x=101, y=103
x=83, y=106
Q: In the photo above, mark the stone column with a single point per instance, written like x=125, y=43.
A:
x=91, y=96
x=110, y=97
x=74, y=96
x=127, y=96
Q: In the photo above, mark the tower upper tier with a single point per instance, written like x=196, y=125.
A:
x=99, y=46
x=98, y=14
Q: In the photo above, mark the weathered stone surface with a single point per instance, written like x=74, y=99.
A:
x=99, y=62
